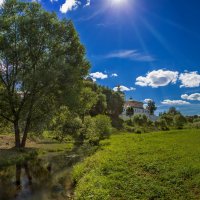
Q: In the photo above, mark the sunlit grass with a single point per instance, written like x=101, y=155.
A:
x=162, y=165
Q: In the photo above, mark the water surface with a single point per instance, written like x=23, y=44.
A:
x=47, y=178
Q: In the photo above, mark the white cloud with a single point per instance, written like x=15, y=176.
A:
x=1, y=2
x=190, y=79
x=98, y=75
x=130, y=54
x=175, y=102
x=88, y=3
x=147, y=100
x=114, y=75
x=192, y=97
x=157, y=78
x=70, y=5
x=124, y=88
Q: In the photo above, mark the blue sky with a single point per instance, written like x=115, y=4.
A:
x=149, y=47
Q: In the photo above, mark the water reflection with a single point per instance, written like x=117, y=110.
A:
x=19, y=168
x=43, y=179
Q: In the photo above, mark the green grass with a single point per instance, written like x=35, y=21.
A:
x=162, y=165
x=10, y=155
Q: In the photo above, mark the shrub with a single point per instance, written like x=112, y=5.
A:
x=179, y=121
x=161, y=124
x=129, y=128
x=103, y=125
x=65, y=123
x=89, y=133
x=195, y=125
x=95, y=128
x=138, y=131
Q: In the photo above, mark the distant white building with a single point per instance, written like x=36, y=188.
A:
x=138, y=108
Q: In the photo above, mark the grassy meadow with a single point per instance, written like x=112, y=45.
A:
x=161, y=165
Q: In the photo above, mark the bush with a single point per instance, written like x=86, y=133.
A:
x=95, y=128
x=89, y=133
x=128, y=128
x=138, y=131
x=140, y=120
x=65, y=123
x=103, y=126
x=161, y=124
x=179, y=121
x=195, y=125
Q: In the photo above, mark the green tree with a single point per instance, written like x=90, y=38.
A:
x=41, y=63
x=179, y=121
x=151, y=107
x=161, y=124
x=140, y=120
x=87, y=100
x=101, y=104
x=173, y=111
x=65, y=123
x=130, y=112
x=115, y=102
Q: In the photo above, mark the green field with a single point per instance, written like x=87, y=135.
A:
x=162, y=165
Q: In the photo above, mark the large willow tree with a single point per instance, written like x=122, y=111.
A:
x=42, y=64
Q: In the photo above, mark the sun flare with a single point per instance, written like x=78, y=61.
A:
x=119, y=3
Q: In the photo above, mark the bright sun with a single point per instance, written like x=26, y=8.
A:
x=117, y=1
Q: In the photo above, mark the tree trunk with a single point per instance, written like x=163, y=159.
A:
x=17, y=134
x=23, y=143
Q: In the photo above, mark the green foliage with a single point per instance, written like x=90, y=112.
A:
x=103, y=126
x=141, y=120
x=41, y=62
x=130, y=112
x=179, y=121
x=95, y=129
x=115, y=102
x=151, y=106
x=65, y=123
x=88, y=99
x=89, y=132
x=161, y=124
x=173, y=118
x=147, y=166
x=195, y=125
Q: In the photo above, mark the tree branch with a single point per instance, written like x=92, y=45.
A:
x=7, y=118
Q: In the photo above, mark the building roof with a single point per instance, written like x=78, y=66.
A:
x=133, y=103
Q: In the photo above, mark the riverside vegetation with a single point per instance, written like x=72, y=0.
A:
x=49, y=104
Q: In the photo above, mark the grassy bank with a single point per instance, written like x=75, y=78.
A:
x=162, y=165
x=10, y=155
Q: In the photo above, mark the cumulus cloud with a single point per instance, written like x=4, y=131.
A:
x=190, y=79
x=124, y=88
x=114, y=75
x=157, y=78
x=98, y=75
x=70, y=5
x=130, y=54
x=174, y=102
x=192, y=97
x=87, y=3
x=147, y=100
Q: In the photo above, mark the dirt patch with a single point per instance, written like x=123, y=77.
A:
x=8, y=141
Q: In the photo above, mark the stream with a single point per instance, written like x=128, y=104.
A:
x=46, y=178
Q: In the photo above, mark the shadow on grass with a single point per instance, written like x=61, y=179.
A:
x=14, y=155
